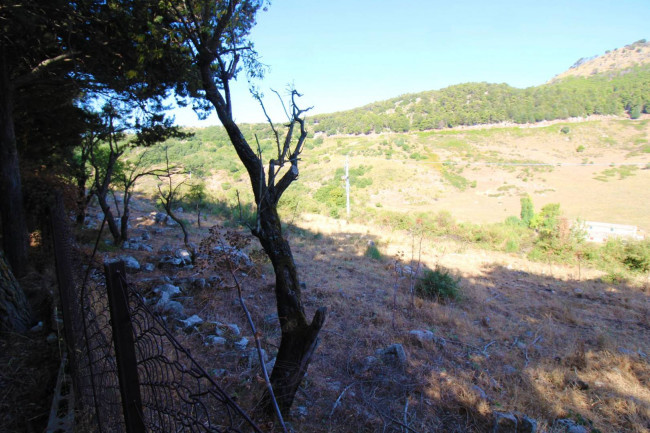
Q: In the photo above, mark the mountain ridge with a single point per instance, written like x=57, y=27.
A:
x=636, y=53
x=578, y=92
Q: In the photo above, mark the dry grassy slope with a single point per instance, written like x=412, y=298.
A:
x=551, y=342
x=586, y=186
x=620, y=58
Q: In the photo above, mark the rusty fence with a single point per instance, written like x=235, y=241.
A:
x=129, y=374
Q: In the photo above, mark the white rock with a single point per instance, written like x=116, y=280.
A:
x=167, y=289
x=213, y=340
x=191, y=321
x=422, y=336
x=234, y=329
x=241, y=344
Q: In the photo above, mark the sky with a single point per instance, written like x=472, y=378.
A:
x=343, y=54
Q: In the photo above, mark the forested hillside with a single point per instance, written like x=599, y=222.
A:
x=616, y=91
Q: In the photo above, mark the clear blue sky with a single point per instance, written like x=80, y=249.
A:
x=343, y=54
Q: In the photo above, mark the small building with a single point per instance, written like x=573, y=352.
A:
x=601, y=232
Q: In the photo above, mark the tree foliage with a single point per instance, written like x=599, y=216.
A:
x=527, y=211
x=483, y=103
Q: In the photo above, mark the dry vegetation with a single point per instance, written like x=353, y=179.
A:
x=620, y=58
x=549, y=341
x=524, y=336
x=491, y=163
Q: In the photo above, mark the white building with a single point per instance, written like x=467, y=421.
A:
x=601, y=232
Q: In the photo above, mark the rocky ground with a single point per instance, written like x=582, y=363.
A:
x=527, y=347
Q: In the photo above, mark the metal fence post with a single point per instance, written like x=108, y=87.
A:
x=127, y=368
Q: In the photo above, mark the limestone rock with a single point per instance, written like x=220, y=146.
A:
x=170, y=262
x=393, y=355
x=166, y=306
x=191, y=321
x=214, y=340
x=168, y=289
x=242, y=344
x=130, y=263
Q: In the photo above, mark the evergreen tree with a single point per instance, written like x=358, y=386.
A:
x=527, y=210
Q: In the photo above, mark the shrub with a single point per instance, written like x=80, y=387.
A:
x=513, y=221
x=614, y=277
x=455, y=179
x=637, y=256
x=527, y=210
x=512, y=246
x=372, y=252
x=580, y=148
x=565, y=130
x=438, y=284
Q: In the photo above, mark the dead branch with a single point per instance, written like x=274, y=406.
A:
x=258, y=342
x=338, y=400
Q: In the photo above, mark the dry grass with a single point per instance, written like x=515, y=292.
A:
x=523, y=338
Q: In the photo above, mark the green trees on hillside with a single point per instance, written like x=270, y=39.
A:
x=483, y=103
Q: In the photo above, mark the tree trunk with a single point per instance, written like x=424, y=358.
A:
x=124, y=221
x=12, y=213
x=299, y=338
x=186, y=235
x=112, y=226
x=15, y=314
x=82, y=200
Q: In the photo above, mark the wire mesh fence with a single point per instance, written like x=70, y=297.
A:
x=129, y=372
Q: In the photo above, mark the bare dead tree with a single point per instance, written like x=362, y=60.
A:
x=216, y=38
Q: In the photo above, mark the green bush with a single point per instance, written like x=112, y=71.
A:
x=332, y=195
x=372, y=252
x=565, y=130
x=438, y=284
x=455, y=179
x=513, y=221
x=637, y=256
x=512, y=246
x=614, y=277
x=527, y=210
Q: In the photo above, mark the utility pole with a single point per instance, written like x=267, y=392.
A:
x=347, y=187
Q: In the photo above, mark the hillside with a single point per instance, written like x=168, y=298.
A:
x=627, y=57
x=596, y=170
x=616, y=83
x=446, y=309
x=556, y=344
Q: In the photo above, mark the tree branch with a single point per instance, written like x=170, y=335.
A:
x=29, y=77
